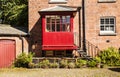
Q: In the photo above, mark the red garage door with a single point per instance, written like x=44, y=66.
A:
x=7, y=53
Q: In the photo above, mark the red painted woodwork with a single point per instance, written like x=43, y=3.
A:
x=7, y=53
x=57, y=40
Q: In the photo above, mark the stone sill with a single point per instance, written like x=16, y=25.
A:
x=107, y=1
x=57, y=2
x=107, y=34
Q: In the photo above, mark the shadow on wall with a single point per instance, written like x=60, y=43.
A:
x=35, y=40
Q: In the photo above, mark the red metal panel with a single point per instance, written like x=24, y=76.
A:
x=45, y=47
x=58, y=38
x=7, y=53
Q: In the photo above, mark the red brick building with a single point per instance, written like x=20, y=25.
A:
x=57, y=27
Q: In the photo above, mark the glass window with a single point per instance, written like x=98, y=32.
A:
x=107, y=24
x=57, y=23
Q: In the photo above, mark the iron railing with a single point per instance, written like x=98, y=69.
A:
x=91, y=49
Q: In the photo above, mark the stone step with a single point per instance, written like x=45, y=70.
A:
x=84, y=54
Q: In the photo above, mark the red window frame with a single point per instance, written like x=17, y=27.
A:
x=58, y=23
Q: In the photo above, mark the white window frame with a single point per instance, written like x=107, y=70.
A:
x=106, y=0
x=108, y=31
x=58, y=1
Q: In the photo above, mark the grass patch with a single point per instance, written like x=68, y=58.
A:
x=82, y=72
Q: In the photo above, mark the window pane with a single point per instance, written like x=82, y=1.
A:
x=63, y=20
x=102, y=28
x=48, y=28
x=58, y=27
x=106, y=21
x=48, y=20
x=53, y=20
x=67, y=19
x=68, y=27
x=112, y=28
x=107, y=27
x=53, y=27
x=58, y=21
x=111, y=21
x=102, y=21
x=63, y=27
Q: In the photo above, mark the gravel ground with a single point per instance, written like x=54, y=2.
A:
x=84, y=72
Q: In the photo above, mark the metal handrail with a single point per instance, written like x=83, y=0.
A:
x=91, y=49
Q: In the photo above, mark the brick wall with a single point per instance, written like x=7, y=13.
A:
x=93, y=12
x=35, y=21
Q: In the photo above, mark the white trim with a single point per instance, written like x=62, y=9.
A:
x=107, y=33
x=106, y=0
x=57, y=1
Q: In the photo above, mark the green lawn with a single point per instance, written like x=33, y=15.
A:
x=83, y=72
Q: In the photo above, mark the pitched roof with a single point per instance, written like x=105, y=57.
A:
x=59, y=8
x=9, y=30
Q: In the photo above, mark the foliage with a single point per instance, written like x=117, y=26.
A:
x=31, y=65
x=14, y=12
x=97, y=59
x=63, y=63
x=80, y=63
x=54, y=65
x=44, y=64
x=23, y=60
x=91, y=63
x=110, y=56
x=71, y=65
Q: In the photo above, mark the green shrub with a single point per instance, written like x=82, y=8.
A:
x=91, y=63
x=110, y=56
x=63, y=63
x=23, y=60
x=81, y=63
x=97, y=59
x=71, y=65
x=44, y=64
x=31, y=65
x=54, y=65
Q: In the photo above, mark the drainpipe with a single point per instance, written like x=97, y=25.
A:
x=79, y=22
x=22, y=43
x=83, y=25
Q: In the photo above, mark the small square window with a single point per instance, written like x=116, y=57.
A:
x=57, y=1
x=107, y=26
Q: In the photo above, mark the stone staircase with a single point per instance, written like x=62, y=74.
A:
x=83, y=54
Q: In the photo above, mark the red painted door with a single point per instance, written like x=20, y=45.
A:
x=7, y=53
